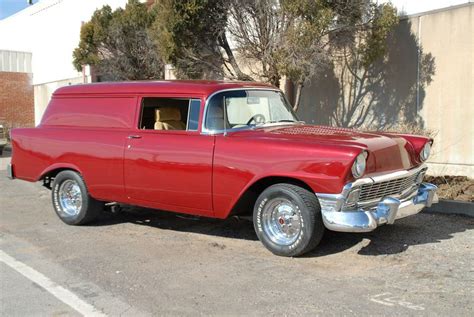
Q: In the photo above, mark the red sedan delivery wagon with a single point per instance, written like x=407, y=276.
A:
x=217, y=149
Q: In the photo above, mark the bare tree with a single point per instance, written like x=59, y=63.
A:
x=283, y=38
x=357, y=54
x=256, y=29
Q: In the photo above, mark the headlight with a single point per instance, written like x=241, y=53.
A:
x=358, y=168
x=425, y=152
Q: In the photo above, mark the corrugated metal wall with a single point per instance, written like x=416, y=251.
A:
x=15, y=62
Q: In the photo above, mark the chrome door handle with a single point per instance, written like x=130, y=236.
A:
x=134, y=137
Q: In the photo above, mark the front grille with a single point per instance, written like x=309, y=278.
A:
x=393, y=187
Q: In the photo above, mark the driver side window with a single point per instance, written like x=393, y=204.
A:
x=240, y=109
x=215, y=114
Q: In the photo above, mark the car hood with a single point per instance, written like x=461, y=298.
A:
x=386, y=152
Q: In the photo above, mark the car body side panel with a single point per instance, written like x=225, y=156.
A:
x=240, y=162
x=96, y=153
x=171, y=168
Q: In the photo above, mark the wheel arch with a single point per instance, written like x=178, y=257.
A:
x=244, y=204
x=53, y=170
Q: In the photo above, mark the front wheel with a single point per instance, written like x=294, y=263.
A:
x=287, y=219
x=71, y=200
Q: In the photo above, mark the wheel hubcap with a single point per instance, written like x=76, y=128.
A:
x=70, y=197
x=281, y=221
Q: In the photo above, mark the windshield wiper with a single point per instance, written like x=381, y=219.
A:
x=286, y=120
x=279, y=121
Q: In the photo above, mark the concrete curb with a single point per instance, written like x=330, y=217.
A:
x=452, y=207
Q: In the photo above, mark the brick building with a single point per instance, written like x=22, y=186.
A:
x=16, y=90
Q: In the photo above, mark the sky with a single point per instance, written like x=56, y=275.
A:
x=9, y=7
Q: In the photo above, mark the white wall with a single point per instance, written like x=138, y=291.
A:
x=50, y=31
x=409, y=7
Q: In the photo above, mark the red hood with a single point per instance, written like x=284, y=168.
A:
x=387, y=152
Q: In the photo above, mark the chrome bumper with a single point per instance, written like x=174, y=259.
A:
x=10, y=171
x=386, y=212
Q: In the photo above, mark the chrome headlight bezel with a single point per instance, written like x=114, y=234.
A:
x=425, y=152
x=359, y=165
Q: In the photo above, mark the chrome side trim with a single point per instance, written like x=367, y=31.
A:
x=204, y=130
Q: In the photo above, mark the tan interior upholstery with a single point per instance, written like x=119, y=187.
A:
x=168, y=119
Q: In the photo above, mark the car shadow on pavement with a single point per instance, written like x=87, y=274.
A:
x=419, y=229
x=233, y=227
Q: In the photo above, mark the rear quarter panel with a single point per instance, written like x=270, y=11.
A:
x=96, y=153
x=86, y=133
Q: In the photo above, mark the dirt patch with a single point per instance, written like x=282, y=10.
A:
x=453, y=187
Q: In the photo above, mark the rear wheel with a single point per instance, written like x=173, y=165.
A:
x=287, y=220
x=71, y=200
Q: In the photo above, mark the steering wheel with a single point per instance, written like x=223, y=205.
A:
x=257, y=118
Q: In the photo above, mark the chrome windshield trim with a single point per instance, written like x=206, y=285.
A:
x=204, y=130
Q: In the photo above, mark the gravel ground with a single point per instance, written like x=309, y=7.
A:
x=156, y=263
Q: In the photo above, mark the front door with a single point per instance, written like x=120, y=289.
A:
x=168, y=163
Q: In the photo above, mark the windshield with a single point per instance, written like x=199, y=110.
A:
x=247, y=109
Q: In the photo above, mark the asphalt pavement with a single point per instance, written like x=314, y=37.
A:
x=143, y=262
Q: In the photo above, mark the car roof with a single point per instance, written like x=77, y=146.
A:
x=198, y=87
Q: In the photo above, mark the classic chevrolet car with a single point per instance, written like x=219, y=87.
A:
x=217, y=149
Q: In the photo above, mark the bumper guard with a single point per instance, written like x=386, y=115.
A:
x=387, y=211
x=10, y=174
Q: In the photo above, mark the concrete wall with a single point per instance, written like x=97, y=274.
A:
x=440, y=42
x=449, y=100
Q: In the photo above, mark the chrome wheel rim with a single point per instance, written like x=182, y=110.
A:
x=281, y=221
x=70, y=197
